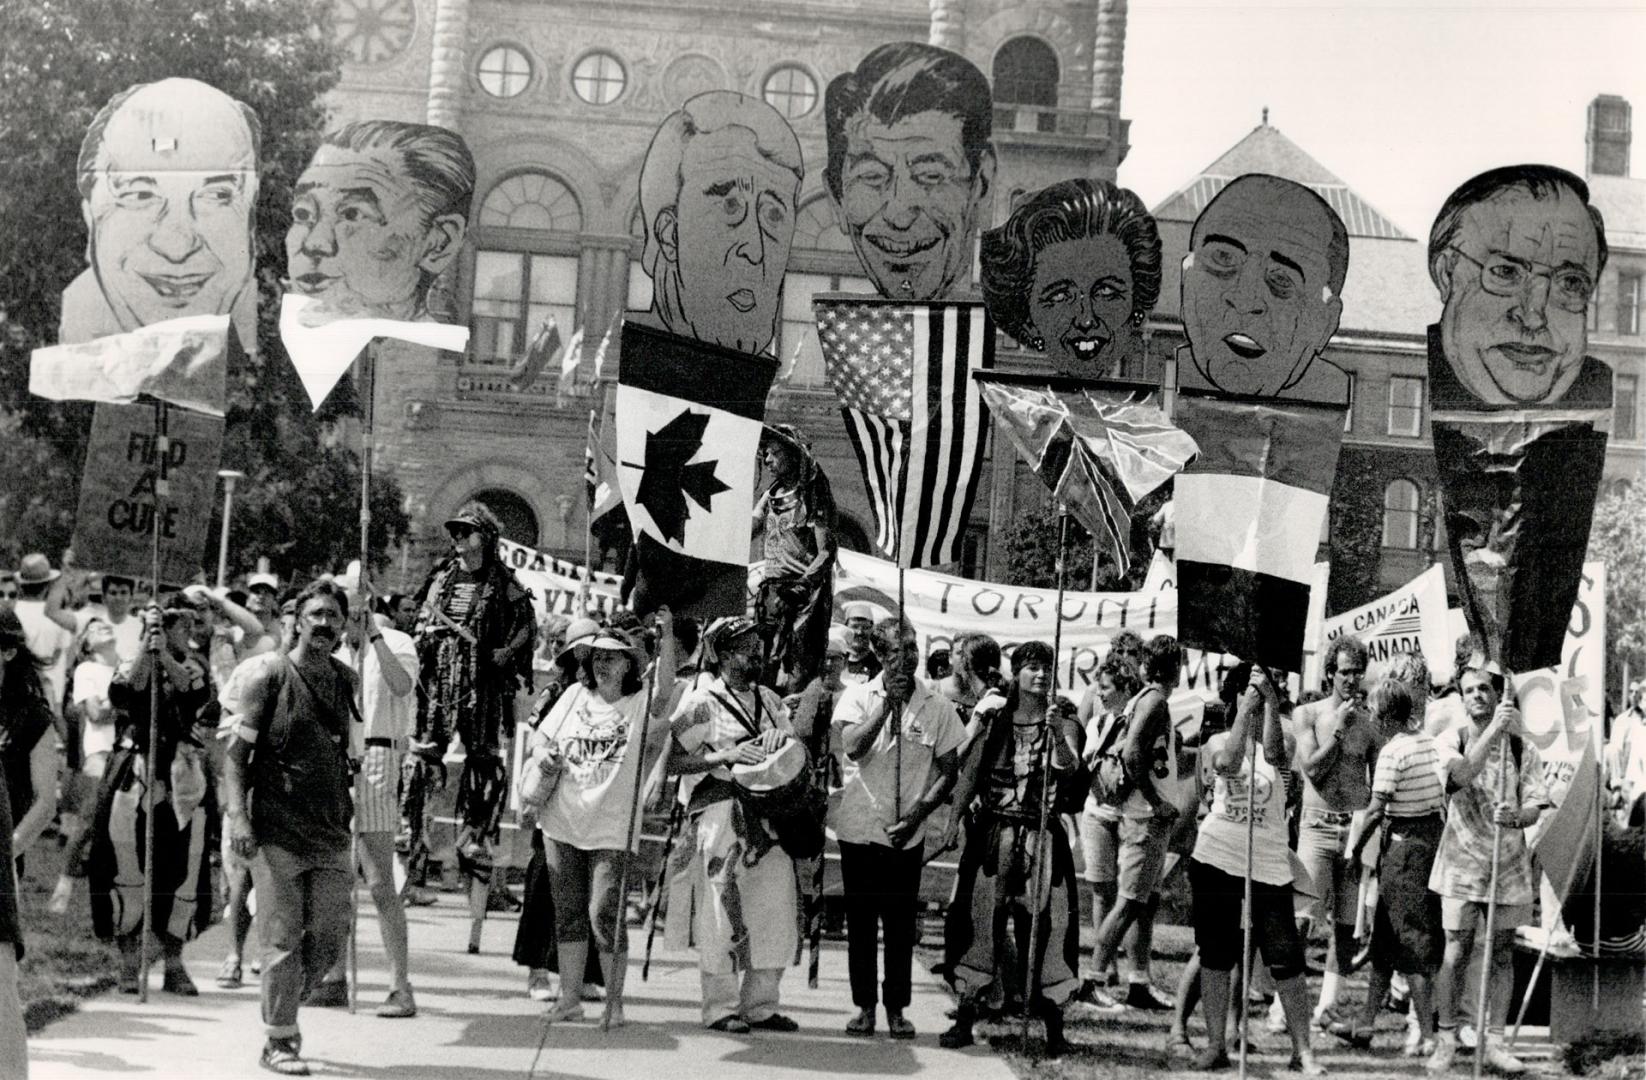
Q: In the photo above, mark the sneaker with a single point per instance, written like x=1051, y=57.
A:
x=540, y=985
x=1276, y=1022
x=1143, y=996
x=177, y=981
x=1103, y=1000
x=1500, y=1060
x=330, y=994
x=228, y=976
x=564, y=1010
x=399, y=1005
x=282, y=1056
x=1445, y=1050
x=1466, y=1036
x=592, y=992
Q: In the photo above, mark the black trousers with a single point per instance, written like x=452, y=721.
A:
x=882, y=887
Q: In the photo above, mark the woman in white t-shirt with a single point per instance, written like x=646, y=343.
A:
x=96, y=654
x=1248, y=785
x=1100, y=710
x=586, y=823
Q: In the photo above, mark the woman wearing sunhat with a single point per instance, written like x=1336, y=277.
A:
x=608, y=733
x=795, y=598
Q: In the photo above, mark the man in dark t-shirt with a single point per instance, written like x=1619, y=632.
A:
x=290, y=755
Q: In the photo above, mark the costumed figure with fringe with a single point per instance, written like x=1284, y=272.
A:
x=1004, y=871
x=795, y=599
x=474, y=649
x=733, y=893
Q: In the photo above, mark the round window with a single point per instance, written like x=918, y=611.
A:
x=599, y=78
x=791, y=91
x=504, y=71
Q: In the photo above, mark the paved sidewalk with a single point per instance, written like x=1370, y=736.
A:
x=475, y=1021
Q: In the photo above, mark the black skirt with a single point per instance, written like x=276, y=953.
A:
x=1406, y=932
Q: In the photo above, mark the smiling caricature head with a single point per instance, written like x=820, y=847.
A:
x=910, y=165
x=1073, y=273
x=1516, y=253
x=718, y=192
x=168, y=183
x=378, y=215
x=1262, y=284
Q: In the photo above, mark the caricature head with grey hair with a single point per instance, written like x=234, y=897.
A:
x=378, y=215
x=718, y=192
x=167, y=175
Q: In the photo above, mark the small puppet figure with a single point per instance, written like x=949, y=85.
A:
x=795, y=599
x=910, y=166
x=168, y=190
x=1073, y=273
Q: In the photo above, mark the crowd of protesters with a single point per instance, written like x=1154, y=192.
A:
x=298, y=737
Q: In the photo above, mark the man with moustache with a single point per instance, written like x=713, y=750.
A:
x=1516, y=253
x=718, y=191
x=378, y=216
x=910, y=165
x=291, y=749
x=168, y=186
x=1262, y=292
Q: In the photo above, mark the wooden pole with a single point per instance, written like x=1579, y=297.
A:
x=1482, y=1021
x=1031, y=974
x=620, y=934
x=162, y=488
x=588, y=530
x=366, y=380
x=1246, y=901
x=896, y=720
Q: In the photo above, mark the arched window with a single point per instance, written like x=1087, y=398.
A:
x=1400, y=515
x=815, y=228
x=1026, y=73
x=513, y=513
x=516, y=291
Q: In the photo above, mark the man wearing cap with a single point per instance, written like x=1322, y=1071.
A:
x=42, y=607
x=880, y=817
x=738, y=902
x=861, y=665
x=474, y=649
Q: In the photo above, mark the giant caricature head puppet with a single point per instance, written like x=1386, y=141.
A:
x=378, y=215
x=168, y=185
x=910, y=165
x=1262, y=290
x=718, y=191
x=1516, y=253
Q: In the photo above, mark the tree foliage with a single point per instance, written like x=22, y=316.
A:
x=1031, y=550
x=60, y=60
x=1618, y=538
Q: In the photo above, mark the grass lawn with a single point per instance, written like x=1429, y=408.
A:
x=63, y=963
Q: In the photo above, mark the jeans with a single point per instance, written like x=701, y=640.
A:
x=882, y=889
x=304, y=902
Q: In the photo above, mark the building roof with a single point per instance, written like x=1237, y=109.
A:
x=1266, y=150
x=1388, y=290
x=1622, y=202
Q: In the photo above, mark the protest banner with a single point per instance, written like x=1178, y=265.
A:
x=112, y=525
x=1410, y=619
x=555, y=584
x=941, y=607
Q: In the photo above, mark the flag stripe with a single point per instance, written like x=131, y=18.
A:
x=1250, y=523
x=696, y=371
x=1256, y=617
x=979, y=353
x=1293, y=442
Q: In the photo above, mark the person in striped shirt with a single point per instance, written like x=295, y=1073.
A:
x=1407, y=798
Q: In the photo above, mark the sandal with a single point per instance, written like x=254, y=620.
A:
x=281, y=1056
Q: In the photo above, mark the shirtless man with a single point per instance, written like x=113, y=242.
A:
x=1337, y=745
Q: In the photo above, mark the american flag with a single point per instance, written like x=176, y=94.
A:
x=902, y=372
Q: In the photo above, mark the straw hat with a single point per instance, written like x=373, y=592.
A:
x=36, y=570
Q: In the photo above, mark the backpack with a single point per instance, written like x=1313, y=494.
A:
x=1111, y=783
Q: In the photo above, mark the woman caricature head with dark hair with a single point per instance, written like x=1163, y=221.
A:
x=1073, y=273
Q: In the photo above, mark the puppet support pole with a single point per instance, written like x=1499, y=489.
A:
x=895, y=708
x=1246, y=896
x=620, y=932
x=162, y=486
x=366, y=373
x=1483, y=1022
x=1037, y=868
x=588, y=536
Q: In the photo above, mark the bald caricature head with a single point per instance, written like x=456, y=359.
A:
x=168, y=183
x=718, y=192
x=1262, y=284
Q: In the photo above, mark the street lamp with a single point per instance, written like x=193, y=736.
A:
x=229, y=476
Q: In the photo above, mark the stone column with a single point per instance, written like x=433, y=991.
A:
x=948, y=29
x=447, y=73
x=1108, y=55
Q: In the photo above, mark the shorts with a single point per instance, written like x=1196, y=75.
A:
x=1099, y=847
x=1470, y=915
x=377, y=791
x=1142, y=856
x=1217, y=899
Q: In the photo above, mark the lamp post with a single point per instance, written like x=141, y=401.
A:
x=229, y=476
